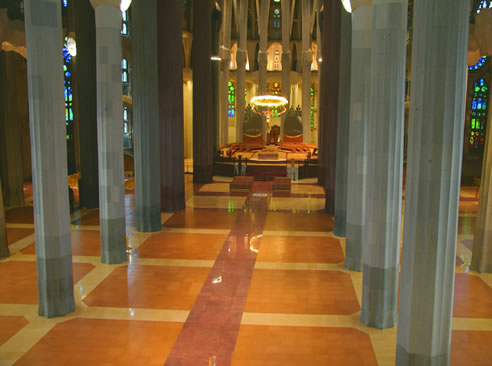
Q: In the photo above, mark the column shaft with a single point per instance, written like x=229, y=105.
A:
x=225, y=55
x=359, y=118
x=343, y=125
x=263, y=55
x=170, y=66
x=241, y=58
x=286, y=58
x=202, y=93
x=49, y=157
x=146, y=116
x=307, y=58
x=385, y=164
x=4, y=244
x=110, y=134
x=433, y=182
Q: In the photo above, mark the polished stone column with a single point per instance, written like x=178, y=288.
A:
x=307, y=58
x=86, y=92
x=359, y=119
x=482, y=242
x=435, y=146
x=49, y=157
x=263, y=55
x=225, y=55
x=339, y=227
x=202, y=93
x=11, y=152
x=328, y=100
x=4, y=244
x=286, y=58
x=384, y=164
x=110, y=131
x=241, y=58
x=146, y=116
x=170, y=74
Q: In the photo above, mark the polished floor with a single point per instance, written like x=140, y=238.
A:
x=232, y=280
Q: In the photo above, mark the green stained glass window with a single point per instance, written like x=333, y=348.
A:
x=312, y=110
x=231, y=98
x=479, y=116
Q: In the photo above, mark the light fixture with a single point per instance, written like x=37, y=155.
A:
x=347, y=5
x=216, y=58
x=71, y=46
x=125, y=4
x=265, y=104
x=320, y=59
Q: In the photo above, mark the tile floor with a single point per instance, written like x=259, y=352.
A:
x=232, y=280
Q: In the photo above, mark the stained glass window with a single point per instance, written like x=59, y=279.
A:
x=479, y=64
x=479, y=116
x=312, y=93
x=124, y=70
x=67, y=75
x=275, y=90
x=276, y=18
x=231, y=98
x=484, y=4
x=124, y=24
x=125, y=120
x=64, y=3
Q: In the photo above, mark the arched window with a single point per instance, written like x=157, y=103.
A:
x=124, y=70
x=479, y=64
x=312, y=106
x=276, y=60
x=231, y=98
x=276, y=18
x=67, y=75
x=484, y=4
x=64, y=3
x=479, y=116
x=125, y=30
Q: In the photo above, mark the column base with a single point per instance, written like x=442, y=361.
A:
x=113, y=241
x=403, y=358
x=55, y=286
x=379, y=297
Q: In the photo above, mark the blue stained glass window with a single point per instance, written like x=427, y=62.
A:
x=231, y=99
x=276, y=18
x=484, y=4
x=64, y=3
x=124, y=70
x=124, y=24
x=67, y=92
x=478, y=117
x=479, y=64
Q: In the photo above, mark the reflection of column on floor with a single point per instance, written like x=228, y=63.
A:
x=110, y=133
x=339, y=227
x=432, y=184
x=357, y=149
x=146, y=116
x=49, y=155
x=384, y=164
x=4, y=244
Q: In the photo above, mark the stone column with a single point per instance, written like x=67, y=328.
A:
x=4, y=244
x=359, y=119
x=435, y=145
x=286, y=58
x=343, y=125
x=146, y=116
x=262, y=54
x=307, y=58
x=225, y=55
x=49, y=157
x=202, y=94
x=385, y=163
x=482, y=242
x=328, y=100
x=241, y=58
x=85, y=67
x=170, y=66
x=110, y=131
x=11, y=153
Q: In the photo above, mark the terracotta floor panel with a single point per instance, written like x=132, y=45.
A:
x=472, y=348
x=295, y=346
x=300, y=249
x=15, y=234
x=472, y=297
x=286, y=221
x=84, y=243
x=9, y=325
x=91, y=218
x=202, y=219
x=19, y=284
x=301, y=292
x=97, y=342
x=182, y=246
x=149, y=287
x=20, y=215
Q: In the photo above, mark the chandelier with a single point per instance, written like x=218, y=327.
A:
x=267, y=103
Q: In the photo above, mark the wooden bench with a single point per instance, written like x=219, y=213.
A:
x=241, y=184
x=281, y=184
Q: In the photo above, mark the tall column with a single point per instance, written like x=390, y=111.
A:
x=360, y=82
x=385, y=163
x=146, y=116
x=433, y=182
x=286, y=58
x=4, y=244
x=241, y=58
x=110, y=131
x=170, y=74
x=202, y=93
x=339, y=227
x=225, y=55
x=49, y=157
x=307, y=58
x=262, y=54
x=328, y=100
x=482, y=242
x=85, y=68
x=11, y=154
